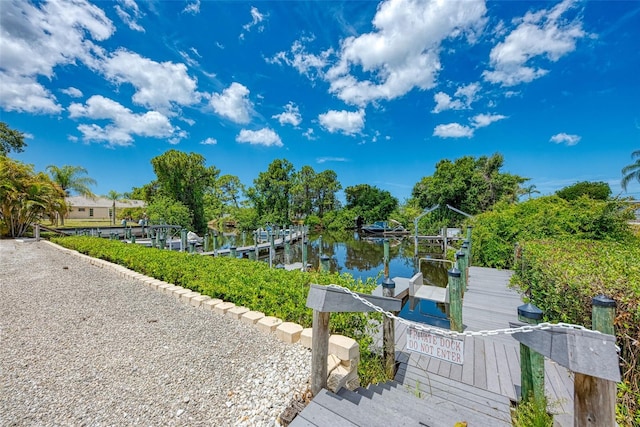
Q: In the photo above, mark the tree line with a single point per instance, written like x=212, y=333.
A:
x=189, y=193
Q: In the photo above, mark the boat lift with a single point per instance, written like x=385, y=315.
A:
x=428, y=211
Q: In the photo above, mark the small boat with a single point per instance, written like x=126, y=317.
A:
x=385, y=227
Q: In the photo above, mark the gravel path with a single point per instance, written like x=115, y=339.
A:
x=81, y=346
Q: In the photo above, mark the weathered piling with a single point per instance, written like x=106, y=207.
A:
x=388, y=330
x=455, y=299
x=594, y=399
x=531, y=362
x=324, y=263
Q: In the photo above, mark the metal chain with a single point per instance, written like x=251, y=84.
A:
x=454, y=334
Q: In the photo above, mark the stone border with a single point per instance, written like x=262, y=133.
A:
x=344, y=353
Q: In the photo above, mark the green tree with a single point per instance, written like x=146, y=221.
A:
x=165, y=210
x=10, y=139
x=114, y=196
x=594, y=190
x=469, y=184
x=26, y=197
x=146, y=192
x=185, y=178
x=326, y=186
x=529, y=190
x=70, y=179
x=370, y=202
x=270, y=194
x=230, y=190
x=302, y=192
x=631, y=172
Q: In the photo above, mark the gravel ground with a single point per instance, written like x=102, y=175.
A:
x=81, y=346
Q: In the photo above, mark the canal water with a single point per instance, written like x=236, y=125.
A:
x=363, y=258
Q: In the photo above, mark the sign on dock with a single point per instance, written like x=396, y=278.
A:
x=438, y=346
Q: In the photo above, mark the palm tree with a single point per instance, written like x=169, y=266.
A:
x=69, y=179
x=114, y=196
x=530, y=190
x=632, y=171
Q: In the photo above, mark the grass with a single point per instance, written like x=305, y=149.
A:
x=88, y=223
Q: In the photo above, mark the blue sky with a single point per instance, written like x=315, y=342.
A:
x=379, y=92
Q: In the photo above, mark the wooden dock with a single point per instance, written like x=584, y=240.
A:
x=277, y=243
x=428, y=391
x=491, y=363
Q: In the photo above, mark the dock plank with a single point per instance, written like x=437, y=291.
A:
x=491, y=363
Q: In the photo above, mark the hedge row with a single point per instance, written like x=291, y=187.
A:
x=247, y=283
x=562, y=277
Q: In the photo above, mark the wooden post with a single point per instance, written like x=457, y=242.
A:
x=304, y=254
x=287, y=252
x=444, y=240
x=531, y=362
x=256, y=254
x=455, y=299
x=183, y=240
x=37, y=232
x=461, y=259
x=386, y=257
x=468, y=240
x=319, y=351
x=324, y=263
x=388, y=331
x=594, y=399
x=272, y=249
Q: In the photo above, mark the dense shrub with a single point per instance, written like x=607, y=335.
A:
x=496, y=232
x=247, y=283
x=562, y=277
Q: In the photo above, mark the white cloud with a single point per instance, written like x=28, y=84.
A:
x=445, y=102
x=545, y=33
x=256, y=18
x=462, y=99
x=233, y=103
x=24, y=94
x=403, y=51
x=309, y=134
x=566, y=139
x=124, y=123
x=192, y=7
x=265, y=136
x=307, y=64
x=131, y=15
x=72, y=92
x=484, y=120
x=159, y=85
x=456, y=130
x=347, y=122
x=36, y=39
x=453, y=130
x=209, y=141
x=321, y=160
x=290, y=115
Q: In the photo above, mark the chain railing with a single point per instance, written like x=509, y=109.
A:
x=455, y=334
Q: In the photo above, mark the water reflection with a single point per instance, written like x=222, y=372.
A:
x=363, y=258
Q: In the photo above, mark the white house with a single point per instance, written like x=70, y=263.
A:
x=98, y=207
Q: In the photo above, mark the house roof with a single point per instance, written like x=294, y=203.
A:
x=102, y=202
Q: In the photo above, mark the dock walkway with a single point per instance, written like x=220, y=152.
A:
x=491, y=363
